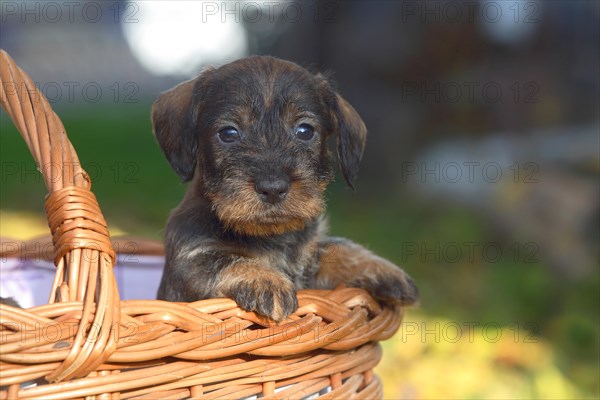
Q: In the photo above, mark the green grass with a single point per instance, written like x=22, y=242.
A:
x=133, y=182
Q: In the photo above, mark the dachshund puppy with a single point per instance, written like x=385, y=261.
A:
x=251, y=138
x=9, y=301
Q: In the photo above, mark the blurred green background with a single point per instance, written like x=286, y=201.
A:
x=507, y=267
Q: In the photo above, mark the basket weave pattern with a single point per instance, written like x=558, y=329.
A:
x=86, y=343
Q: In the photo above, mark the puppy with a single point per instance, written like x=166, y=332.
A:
x=251, y=138
x=9, y=301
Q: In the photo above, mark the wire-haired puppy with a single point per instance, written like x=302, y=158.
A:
x=251, y=137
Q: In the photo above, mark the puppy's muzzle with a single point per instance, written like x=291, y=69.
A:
x=272, y=191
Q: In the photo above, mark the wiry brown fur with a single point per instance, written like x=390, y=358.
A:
x=343, y=261
x=245, y=213
x=268, y=291
x=225, y=238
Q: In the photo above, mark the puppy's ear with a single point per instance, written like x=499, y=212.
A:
x=351, y=138
x=174, y=120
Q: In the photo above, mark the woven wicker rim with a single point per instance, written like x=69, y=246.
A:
x=86, y=343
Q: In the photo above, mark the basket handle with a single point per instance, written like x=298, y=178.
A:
x=83, y=253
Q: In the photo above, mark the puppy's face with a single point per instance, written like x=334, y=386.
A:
x=252, y=135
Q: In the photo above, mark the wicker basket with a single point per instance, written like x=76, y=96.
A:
x=87, y=343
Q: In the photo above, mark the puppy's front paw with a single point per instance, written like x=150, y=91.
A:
x=387, y=282
x=269, y=294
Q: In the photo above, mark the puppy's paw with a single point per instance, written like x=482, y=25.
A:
x=270, y=295
x=385, y=281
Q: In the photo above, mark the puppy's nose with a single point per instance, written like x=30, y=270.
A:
x=272, y=191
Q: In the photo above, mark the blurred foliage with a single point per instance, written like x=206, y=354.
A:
x=510, y=291
x=434, y=358
x=130, y=177
x=137, y=189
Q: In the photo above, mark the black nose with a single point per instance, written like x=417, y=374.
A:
x=272, y=191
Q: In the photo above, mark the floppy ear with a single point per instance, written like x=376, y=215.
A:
x=351, y=138
x=174, y=121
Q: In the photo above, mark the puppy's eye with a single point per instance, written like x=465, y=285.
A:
x=229, y=135
x=305, y=132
